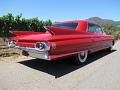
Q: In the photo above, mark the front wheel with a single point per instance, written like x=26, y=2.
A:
x=110, y=48
x=81, y=57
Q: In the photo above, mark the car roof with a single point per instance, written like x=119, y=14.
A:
x=77, y=21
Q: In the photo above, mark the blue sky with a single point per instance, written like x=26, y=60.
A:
x=62, y=10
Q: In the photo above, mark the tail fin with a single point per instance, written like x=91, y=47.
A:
x=19, y=33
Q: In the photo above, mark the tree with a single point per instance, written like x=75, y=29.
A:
x=10, y=22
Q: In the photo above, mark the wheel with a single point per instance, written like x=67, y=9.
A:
x=81, y=57
x=110, y=48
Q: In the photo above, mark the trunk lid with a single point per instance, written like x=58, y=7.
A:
x=32, y=37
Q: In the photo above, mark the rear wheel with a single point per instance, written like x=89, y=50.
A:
x=81, y=57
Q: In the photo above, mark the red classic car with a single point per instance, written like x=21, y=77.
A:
x=78, y=37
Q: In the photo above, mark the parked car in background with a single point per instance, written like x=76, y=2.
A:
x=78, y=38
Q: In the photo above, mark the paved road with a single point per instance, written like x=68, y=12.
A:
x=102, y=72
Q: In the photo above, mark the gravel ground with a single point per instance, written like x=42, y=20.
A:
x=101, y=72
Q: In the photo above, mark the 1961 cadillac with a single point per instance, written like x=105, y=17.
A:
x=78, y=38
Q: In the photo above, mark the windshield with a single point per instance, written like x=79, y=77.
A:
x=70, y=25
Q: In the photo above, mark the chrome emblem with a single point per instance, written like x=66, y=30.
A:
x=53, y=45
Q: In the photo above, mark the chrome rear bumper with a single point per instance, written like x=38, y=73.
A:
x=32, y=52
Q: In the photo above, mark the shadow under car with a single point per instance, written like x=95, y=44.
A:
x=61, y=67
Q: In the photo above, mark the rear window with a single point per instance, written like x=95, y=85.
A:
x=70, y=25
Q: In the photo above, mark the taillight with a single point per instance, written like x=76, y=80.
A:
x=42, y=46
x=11, y=44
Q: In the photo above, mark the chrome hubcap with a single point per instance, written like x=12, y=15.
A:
x=83, y=56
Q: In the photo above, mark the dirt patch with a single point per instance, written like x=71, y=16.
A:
x=10, y=58
x=2, y=41
x=9, y=54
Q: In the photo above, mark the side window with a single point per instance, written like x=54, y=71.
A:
x=91, y=28
x=98, y=30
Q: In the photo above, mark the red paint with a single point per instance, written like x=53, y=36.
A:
x=67, y=41
x=19, y=33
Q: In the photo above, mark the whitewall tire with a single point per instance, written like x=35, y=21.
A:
x=81, y=57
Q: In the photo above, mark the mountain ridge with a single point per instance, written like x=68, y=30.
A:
x=103, y=22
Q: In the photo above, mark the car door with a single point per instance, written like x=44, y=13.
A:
x=106, y=41
x=100, y=34
x=97, y=36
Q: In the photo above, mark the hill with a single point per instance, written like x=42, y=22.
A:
x=109, y=26
x=104, y=22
